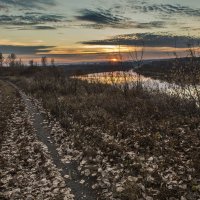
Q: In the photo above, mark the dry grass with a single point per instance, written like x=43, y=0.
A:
x=162, y=131
x=26, y=168
x=7, y=95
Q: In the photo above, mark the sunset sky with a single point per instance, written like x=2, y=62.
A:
x=88, y=30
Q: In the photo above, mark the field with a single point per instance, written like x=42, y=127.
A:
x=129, y=143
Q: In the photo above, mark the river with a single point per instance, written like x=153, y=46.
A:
x=131, y=79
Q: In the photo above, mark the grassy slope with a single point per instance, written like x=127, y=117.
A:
x=151, y=141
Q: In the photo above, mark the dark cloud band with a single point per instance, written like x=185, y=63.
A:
x=28, y=4
x=148, y=40
x=100, y=18
x=167, y=9
x=24, y=50
x=37, y=21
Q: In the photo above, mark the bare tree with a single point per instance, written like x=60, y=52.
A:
x=44, y=61
x=137, y=58
x=19, y=63
x=186, y=74
x=31, y=63
x=1, y=60
x=11, y=59
x=53, y=62
x=129, y=79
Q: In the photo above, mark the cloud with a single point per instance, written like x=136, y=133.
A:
x=39, y=27
x=148, y=40
x=28, y=4
x=30, y=19
x=101, y=18
x=167, y=9
x=43, y=27
x=150, y=25
x=4, y=8
x=24, y=50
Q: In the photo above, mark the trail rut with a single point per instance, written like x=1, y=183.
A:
x=80, y=191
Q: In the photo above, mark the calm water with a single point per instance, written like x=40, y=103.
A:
x=130, y=79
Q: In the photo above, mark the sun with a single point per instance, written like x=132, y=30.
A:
x=114, y=60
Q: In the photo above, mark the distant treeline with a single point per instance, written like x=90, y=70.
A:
x=12, y=60
x=163, y=69
x=68, y=70
x=81, y=69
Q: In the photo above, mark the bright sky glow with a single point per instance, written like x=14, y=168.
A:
x=88, y=30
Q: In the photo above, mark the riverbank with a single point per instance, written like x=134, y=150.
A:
x=133, y=143
x=178, y=70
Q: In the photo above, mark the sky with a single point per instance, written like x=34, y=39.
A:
x=93, y=31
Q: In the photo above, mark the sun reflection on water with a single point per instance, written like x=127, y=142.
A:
x=117, y=77
x=131, y=79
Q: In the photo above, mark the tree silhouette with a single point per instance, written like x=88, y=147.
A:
x=44, y=61
x=11, y=59
x=53, y=62
x=1, y=60
x=31, y=63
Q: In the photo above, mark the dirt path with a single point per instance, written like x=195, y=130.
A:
x=68, y=171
